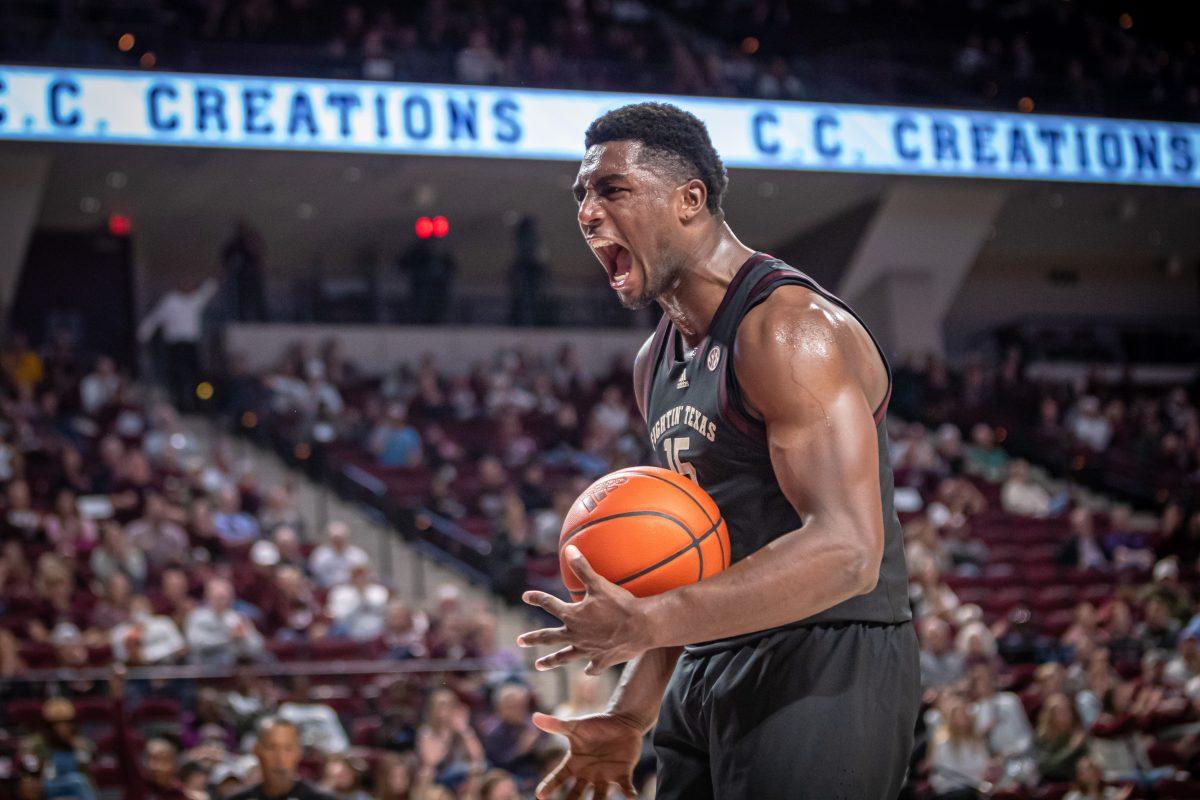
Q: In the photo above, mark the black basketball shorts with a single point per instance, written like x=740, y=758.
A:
x=821, y=712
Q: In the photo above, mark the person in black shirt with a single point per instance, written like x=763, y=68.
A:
x=278, y=752
x=794, y=673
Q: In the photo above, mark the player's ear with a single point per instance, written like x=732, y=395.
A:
x=694, y=196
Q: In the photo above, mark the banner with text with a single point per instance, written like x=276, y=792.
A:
x=158, y=108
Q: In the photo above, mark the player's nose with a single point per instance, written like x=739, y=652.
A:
x=590, y=214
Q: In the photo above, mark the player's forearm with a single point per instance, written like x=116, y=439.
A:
x=794, y=577
x=640, y=691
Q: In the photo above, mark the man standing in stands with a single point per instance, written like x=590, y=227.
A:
x=179, y=315
x=278, y=753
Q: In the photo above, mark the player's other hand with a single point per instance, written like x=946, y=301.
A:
x=608, y=627
x=603, y=750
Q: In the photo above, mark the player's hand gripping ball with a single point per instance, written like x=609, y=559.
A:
x=645, y=529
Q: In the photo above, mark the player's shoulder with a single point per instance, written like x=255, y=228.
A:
x=794, y=321
x=642, y=363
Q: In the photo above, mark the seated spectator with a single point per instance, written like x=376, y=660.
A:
x=233, y=525
x=99, y=387
x=72, y=535
x=940, y=664
x=1020, y=495
x=1158, y=629
x=1089, y=426
x=1085, y=628
x=959, y=760
x=1116, y=741
x=216, y=633
x=1130, y=547
x=1083, y=551
x=445, y=741
x=280, y=509
x=497, y=784
x=113, y=606
x=1124, y=644
x=403, y=634
x=55, y=585
x=115, y=553
x=983, y=456
x=173, y=597
x=342, y=780
x=1002, y=719
x=509, y=738
x=67, y=757
x=20, y=519
x=394, y=442
x=1060, y=740
x=331, y=562
x=159, y=536
x=928, y=594
x=291, y=612
x=357, y=606
x=287, y=544
x=146, y=638
x=1089, y=784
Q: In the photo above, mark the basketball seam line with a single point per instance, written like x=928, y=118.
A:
x=686, y=494
x=697, y=541
x=581, y=528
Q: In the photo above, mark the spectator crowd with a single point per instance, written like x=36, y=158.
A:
x=1060, y=640
x=1063, y=57
x=128, y=544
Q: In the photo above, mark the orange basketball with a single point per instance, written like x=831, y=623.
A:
x=645, y=529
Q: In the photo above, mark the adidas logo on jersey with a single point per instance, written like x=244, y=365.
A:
x=682, y=383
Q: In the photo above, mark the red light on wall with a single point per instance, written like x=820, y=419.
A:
x=441, y=226
x=424, y=227
x=119, y=225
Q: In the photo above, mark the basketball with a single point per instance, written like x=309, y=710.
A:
x=647, y=530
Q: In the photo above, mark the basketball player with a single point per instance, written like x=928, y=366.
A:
x=793, y=674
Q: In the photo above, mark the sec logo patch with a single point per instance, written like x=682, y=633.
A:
x=714, y=356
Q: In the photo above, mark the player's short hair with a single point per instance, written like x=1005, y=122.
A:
x=670, y=135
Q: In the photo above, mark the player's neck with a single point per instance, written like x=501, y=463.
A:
x=709, y=269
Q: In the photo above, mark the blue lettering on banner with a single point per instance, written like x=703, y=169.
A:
x=758, y=122
x=1053, y=139
x=1018, y=148
x=154, y=98
x=381, y=128
x=945, y=142
x=59, y=117
x=1145, y=152
x=981, y=142
x=210, y=109
x=345, y=103
x=418, y=117
x=903, y=149
x=827, y=147
x=463, y=120
x=1181, y=155
x=508, y=124
x=302, y=115
x=229, y=111
x=254, y=106
x=1112, y=155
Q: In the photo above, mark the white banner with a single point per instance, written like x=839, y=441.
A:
x=158, y=108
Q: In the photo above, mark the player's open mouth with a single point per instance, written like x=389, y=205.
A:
x=615, y=257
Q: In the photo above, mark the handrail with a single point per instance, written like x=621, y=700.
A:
x=357, y=666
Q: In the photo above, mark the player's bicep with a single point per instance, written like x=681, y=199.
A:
x=820, y=430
